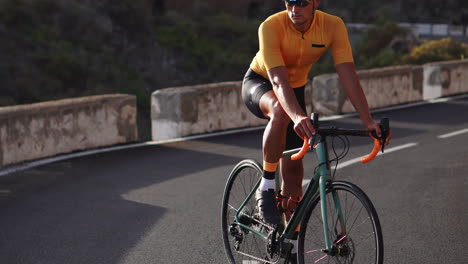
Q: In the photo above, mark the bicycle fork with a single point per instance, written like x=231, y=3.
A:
x=329, y=247
x=324, y=184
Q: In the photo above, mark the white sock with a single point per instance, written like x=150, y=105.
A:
x=267, y=184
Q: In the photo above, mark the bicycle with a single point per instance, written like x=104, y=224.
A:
x=336, y=220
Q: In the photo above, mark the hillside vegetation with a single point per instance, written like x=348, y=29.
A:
x=52, y=49
x=414, y=11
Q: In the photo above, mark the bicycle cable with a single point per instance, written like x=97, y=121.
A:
x=346, y=146
x=338, y=157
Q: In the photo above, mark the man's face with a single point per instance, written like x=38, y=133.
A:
x=301, y=12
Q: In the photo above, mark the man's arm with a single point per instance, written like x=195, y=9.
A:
x=286, y=97
x=350, y=81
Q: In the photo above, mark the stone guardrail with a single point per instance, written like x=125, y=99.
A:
x=190, y=110
x=46, y=129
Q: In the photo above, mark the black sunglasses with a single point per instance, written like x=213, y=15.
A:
x=299, y=3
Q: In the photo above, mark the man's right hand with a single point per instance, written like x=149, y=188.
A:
x=303, y=127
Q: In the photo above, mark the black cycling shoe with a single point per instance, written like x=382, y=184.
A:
x=266, y=203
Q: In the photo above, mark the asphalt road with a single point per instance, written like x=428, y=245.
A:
x=161, y=203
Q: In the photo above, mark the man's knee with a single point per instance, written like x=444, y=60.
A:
x=278, y=115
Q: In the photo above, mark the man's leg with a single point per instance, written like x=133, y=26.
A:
x=293, y=173
x=274, y=141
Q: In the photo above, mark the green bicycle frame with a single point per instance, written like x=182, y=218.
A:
x=236, y=217
x=317, y=186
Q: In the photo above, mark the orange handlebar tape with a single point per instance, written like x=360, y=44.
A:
x=374, y=152
x=303, y=151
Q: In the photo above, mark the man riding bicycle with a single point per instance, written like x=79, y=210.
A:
x=290, y=42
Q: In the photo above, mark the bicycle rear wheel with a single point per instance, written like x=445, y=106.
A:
x=241, y=245
x=358, y=241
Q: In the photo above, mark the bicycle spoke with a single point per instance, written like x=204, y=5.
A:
x=369, y=235
x=356, y=218
x=350, y=210
x=355, y=242
x=242, y=244
x=232, y=208
x=320, y=259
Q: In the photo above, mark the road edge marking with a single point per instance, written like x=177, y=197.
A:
x=454, y=133
x=353, y=161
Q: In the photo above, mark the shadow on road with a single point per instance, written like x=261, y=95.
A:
x=74, y=211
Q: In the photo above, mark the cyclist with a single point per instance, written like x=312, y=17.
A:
x=290, y=42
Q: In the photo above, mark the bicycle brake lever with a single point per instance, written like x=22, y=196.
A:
x=383, y=145
x=384, y=128
x=312, y=141
x=315, y=124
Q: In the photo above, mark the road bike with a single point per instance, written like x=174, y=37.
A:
x=336, y=220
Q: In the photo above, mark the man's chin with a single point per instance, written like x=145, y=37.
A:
x=298, y=22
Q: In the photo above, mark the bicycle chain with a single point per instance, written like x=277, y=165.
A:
x=260, y=259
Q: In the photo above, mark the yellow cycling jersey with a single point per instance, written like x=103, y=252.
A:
x=280, y=44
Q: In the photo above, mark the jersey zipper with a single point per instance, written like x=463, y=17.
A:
x=301, y=50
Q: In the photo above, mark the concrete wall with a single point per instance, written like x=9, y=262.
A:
x=183, y=111
x=45, y=129
x=189, y=110
x=445, y=78
x=392, y=86
x=383, y=87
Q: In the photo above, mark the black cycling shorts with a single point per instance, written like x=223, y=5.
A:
x=253, y=87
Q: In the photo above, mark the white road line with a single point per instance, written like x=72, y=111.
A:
x=358, y=160
x=455, y=133
x=389, y=150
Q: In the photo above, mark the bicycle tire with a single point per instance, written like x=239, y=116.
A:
x=363, y=241
x=240, y=183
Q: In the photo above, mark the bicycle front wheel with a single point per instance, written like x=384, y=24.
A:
x=242, y=245
x=355, y=233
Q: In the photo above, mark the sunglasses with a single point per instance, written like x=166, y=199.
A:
x=299, y=3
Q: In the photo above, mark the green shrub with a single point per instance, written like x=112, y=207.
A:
x=134, y=16
x=436, y=50
x=7, y=101
x=47, y=8
x=64, y=63
x=17, y=14
x=375, y=48
x=214, y=48
x=385, y=57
